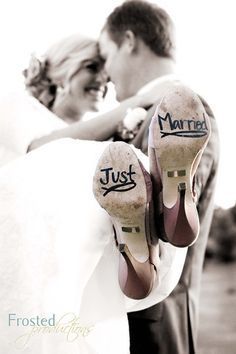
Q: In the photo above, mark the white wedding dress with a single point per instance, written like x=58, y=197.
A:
x=57, y=251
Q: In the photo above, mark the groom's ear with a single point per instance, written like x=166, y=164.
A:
x=131, y=41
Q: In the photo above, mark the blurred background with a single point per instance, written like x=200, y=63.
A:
x=206, y=59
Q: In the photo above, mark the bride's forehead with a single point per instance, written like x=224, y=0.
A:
x=88, y=53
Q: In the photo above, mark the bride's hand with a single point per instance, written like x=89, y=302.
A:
x=39, y=142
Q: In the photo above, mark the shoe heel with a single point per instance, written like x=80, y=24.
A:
x=178, y=134
x=136, y=279
x=181, y=222
x=123, y=188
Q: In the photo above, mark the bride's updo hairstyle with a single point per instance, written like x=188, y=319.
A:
x=48, y=78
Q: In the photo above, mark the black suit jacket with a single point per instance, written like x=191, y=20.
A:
x=170, y=327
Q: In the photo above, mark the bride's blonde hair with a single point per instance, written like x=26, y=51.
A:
x=48, y=78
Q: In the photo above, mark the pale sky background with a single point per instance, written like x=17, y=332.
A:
x=206, y=55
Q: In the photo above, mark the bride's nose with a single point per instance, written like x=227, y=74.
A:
x=102, y=77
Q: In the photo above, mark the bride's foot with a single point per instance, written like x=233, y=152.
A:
x=123, y=188
x=178, y=134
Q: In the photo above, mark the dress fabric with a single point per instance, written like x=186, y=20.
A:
x=58, y=257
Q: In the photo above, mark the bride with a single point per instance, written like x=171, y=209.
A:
x=59, y=261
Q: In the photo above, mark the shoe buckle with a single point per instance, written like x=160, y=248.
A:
x=176, y=173
x=132, y=229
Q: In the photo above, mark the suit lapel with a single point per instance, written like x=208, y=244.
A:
x=141, y=139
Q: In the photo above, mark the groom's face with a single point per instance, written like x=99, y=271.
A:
x=117, y=64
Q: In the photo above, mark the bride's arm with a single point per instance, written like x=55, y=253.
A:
x=100, y=128
x=103, y=126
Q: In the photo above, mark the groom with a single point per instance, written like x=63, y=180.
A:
x=137, y=44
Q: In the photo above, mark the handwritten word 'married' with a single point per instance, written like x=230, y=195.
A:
x=188, y=128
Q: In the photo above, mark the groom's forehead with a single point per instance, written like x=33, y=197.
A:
x=105, y=43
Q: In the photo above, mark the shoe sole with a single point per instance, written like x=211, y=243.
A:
x=178, y=134
x=123, y=188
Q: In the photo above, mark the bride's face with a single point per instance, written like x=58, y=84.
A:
x=88, y=86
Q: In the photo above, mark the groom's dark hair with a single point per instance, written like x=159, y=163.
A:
x=147, y=21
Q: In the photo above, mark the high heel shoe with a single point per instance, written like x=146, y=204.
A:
x=178, y=134
x=123, y=188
